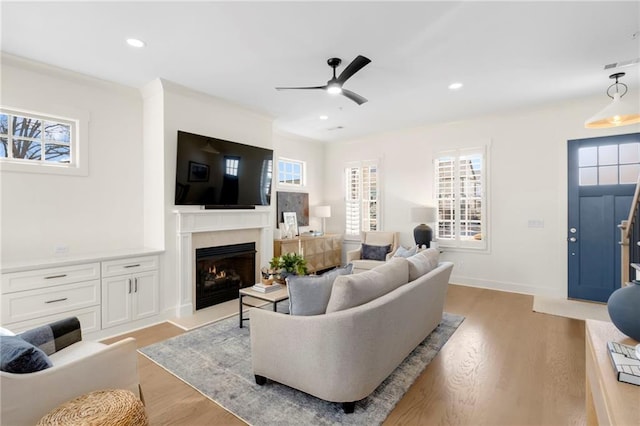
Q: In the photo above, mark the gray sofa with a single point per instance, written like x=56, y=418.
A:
x=344, y=354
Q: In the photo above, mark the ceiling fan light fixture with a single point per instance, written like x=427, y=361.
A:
x=334, y=89
x=618, y=113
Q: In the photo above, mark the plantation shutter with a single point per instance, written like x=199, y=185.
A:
x=362, y=202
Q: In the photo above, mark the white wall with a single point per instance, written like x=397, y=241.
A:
x=101, y=211
x=528, y=180
x=312, y=153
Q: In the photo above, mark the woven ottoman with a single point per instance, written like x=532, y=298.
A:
x=114, y=407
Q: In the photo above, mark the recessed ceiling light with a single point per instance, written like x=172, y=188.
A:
x=455, y=86
x=324, y=117
x=134, y=42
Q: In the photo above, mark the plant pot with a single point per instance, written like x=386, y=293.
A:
x=623, y=309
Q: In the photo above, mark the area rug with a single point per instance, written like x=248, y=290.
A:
x=216, y=361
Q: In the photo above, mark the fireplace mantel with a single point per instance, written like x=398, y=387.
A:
x=190, y=222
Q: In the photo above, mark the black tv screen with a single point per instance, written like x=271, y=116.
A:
x=218, y=173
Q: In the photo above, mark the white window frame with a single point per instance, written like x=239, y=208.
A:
x=457, y=242
x=355, y=201
x=78, y=165
x=303, y=172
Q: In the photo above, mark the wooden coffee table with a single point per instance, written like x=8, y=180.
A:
x=273, y=297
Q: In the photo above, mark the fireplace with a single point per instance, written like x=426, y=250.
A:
x=222, y=271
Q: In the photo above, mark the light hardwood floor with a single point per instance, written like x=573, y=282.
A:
x=505, y=365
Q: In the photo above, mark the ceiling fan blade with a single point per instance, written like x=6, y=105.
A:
x=301, y=88
x=354, y=96
x=355, y=66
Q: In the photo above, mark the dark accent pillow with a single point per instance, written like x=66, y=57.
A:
x=375, y=252
x=54, y=336
x=20, y=357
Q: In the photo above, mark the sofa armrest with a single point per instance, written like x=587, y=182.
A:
x=354, y=255
x=28, y=397
x=391, y=253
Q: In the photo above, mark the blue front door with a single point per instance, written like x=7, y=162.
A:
x=602, y=176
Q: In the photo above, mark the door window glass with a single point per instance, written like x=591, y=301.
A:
x=609, y=164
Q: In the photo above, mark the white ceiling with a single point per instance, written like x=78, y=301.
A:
x=508, y=54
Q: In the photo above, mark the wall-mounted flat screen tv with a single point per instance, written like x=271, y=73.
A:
x=216, y=173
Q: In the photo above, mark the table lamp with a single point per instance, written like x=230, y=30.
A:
x=422, y=234
x=323, y=212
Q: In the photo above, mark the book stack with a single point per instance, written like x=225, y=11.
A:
x=625, y=362
x=266, y=288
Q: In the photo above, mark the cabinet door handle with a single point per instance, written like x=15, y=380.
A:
x=135, y=280
x=56, y=300
x=55, y=276
x=129, y=285
x=132, y=266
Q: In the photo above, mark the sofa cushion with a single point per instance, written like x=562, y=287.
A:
x=355, y=290
x=309, y=294
x=371, y=252
x=19, y=356
x=403, y=252
x=423, y=262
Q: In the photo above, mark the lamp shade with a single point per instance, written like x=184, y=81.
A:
x=423, y=214
x=322, y=211
x=618, y=113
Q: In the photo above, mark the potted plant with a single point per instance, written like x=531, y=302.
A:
x=287, y=264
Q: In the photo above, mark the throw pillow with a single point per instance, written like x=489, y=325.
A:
x=309, y=294
x=423, y=262
x=54, y=336
x=403, y=252
x=20, y=357
x=370, y=252
x=357, y=289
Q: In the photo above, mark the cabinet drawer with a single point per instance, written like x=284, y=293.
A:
x=31, y=304
x=40, y=278
x=130, y=265
x=89, y=320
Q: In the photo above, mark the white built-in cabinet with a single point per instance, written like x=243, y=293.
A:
x=130, y=289
x=102, y=293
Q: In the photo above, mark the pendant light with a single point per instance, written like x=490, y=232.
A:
x=618, y=112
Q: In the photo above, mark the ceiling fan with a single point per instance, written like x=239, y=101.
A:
x=334, y=86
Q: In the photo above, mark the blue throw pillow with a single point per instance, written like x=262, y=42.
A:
x=309, y=294
x=375, y=252
x=20, y=357
x=403, y=252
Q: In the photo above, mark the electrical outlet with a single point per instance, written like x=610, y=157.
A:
x=61, y=249
x=535, y=223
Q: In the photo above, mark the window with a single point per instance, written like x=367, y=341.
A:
x=265, y=181
x=362, y=198
x=231, y=165
x=609, y=164
x=461, y=198
x=32, y=139
x=291, y=172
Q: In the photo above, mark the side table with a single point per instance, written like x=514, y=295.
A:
x=273, y=297
x=608, y=401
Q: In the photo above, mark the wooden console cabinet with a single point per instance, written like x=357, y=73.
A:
x=322, y=252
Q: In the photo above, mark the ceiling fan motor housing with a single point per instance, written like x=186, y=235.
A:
x=334, y=62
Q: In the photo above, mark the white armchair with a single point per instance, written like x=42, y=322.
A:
x=77, y=369
x=373, y=238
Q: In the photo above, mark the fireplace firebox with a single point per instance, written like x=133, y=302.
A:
x=222, y=271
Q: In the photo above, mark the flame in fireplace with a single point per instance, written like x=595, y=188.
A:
x=214, y=272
